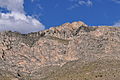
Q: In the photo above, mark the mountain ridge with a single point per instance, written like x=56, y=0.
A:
x=36, y=56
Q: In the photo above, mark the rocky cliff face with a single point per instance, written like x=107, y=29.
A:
x=71, y=47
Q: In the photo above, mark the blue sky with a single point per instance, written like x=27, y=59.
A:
x=51, y=13
x=57, y=12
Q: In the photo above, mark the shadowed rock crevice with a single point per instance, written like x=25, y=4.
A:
x=84, y=28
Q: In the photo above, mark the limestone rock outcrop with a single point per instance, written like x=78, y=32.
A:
x=35, y=56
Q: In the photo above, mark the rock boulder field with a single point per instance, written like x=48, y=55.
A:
x=72, y=51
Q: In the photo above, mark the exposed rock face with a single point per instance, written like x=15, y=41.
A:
x=36, y=56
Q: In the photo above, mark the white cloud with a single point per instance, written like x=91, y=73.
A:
x=13, y=5
x=116, y=1
x=87, y=3
x=19, y=22
x=16, y=20
x=78, y=3
x=117, y=24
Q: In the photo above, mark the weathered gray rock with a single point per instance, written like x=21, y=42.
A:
x=35, y=56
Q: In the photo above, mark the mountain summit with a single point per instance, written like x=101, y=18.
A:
x=72, y=51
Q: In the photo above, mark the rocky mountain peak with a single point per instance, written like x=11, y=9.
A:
x=66, y=30
x=74, y=25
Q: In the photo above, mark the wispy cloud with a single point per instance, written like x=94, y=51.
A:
x=78, y=3
x=116, y=1
x=87, y=3
x=33, y=0
x=117, y=24
x=16, y=20
x=39, y=6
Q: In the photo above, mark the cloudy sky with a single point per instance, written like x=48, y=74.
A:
x=27, y=16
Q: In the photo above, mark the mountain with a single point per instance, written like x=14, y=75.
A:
x=72, y=51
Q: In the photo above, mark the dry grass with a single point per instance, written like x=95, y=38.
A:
x=98, y=70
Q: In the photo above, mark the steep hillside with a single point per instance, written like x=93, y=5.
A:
x=72, y=51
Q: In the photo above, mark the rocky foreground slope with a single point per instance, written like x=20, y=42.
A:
x=72, y=51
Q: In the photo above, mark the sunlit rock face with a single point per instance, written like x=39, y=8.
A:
x=39, y=55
